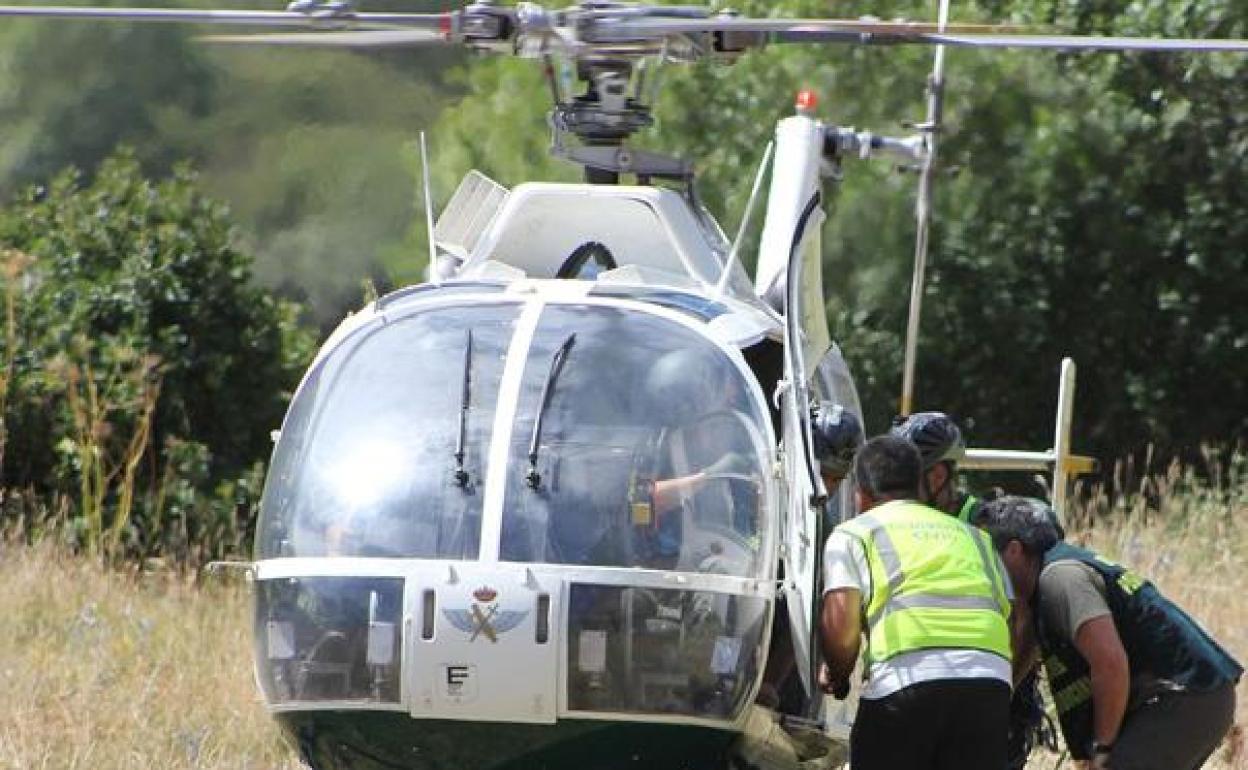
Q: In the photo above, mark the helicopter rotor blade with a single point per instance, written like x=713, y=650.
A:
x=1082, y=43
x=318, y=16
x=487, y=25
x=368, y=38
x=871, y=31
x=779, y=30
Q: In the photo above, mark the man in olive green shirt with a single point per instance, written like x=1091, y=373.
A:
x=1137, y=683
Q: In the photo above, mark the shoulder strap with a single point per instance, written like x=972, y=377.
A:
x=969, y=506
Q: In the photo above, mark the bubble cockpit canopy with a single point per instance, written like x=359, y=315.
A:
x=652, y=449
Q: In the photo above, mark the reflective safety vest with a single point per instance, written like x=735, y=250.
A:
x=934, y=583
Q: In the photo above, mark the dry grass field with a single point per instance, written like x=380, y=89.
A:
x=105, y=670
x=110, y=671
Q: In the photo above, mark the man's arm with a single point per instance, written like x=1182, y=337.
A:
x=1073, y=600
x=840, y=628
x=846, y=578
x=1098, y=642
x=1023, y=642
x=667, y=493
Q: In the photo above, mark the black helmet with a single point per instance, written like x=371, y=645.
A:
x=935, y=435
x=837, y=434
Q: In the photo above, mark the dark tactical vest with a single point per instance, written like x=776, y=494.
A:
x=1159, y=638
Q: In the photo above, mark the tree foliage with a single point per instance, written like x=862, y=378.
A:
x=1096, y=211
x=70, y=93
x=136, y=345
x=307, y=145
x=1101, y=216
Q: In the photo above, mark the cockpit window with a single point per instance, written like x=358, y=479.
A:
x=652, y=450
x=366, y=464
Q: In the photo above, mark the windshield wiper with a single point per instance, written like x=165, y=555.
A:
x=556, y=364
x=465, y=400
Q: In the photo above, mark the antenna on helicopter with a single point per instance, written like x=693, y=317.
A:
x=923, y=211
x=435, y=273
x=745, y=219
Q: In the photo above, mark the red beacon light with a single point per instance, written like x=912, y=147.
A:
x=807, y=102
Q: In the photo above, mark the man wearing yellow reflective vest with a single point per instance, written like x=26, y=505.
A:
x=1137, y=683
x=933, y=601
x=941, y=448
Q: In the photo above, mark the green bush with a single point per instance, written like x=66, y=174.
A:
x=143, y=370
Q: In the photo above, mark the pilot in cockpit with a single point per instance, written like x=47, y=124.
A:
x=697, y=504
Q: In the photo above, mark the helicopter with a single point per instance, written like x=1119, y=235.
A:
x=560, y=505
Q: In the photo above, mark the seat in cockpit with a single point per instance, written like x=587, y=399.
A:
x=587, y=261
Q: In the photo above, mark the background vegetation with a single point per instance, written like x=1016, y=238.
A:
x=308, y=146
x=1089, y=205
x=142, y=368
x=110, y=671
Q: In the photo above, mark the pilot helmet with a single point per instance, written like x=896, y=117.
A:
x=683, y=384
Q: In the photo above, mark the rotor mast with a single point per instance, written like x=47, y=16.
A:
x=612, y=108
x=923, y=213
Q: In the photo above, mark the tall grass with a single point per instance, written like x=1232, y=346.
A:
x=108, y=670
x=90, y=431
x=1187, y=530
x=116, y=669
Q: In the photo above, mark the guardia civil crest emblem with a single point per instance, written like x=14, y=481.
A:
x=483, y=617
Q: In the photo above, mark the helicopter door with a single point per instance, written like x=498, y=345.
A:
x=803, y=538
x=482, y=645
x=800, y=562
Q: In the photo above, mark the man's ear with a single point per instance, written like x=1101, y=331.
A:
x=1014, y=550
x=863, y=501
